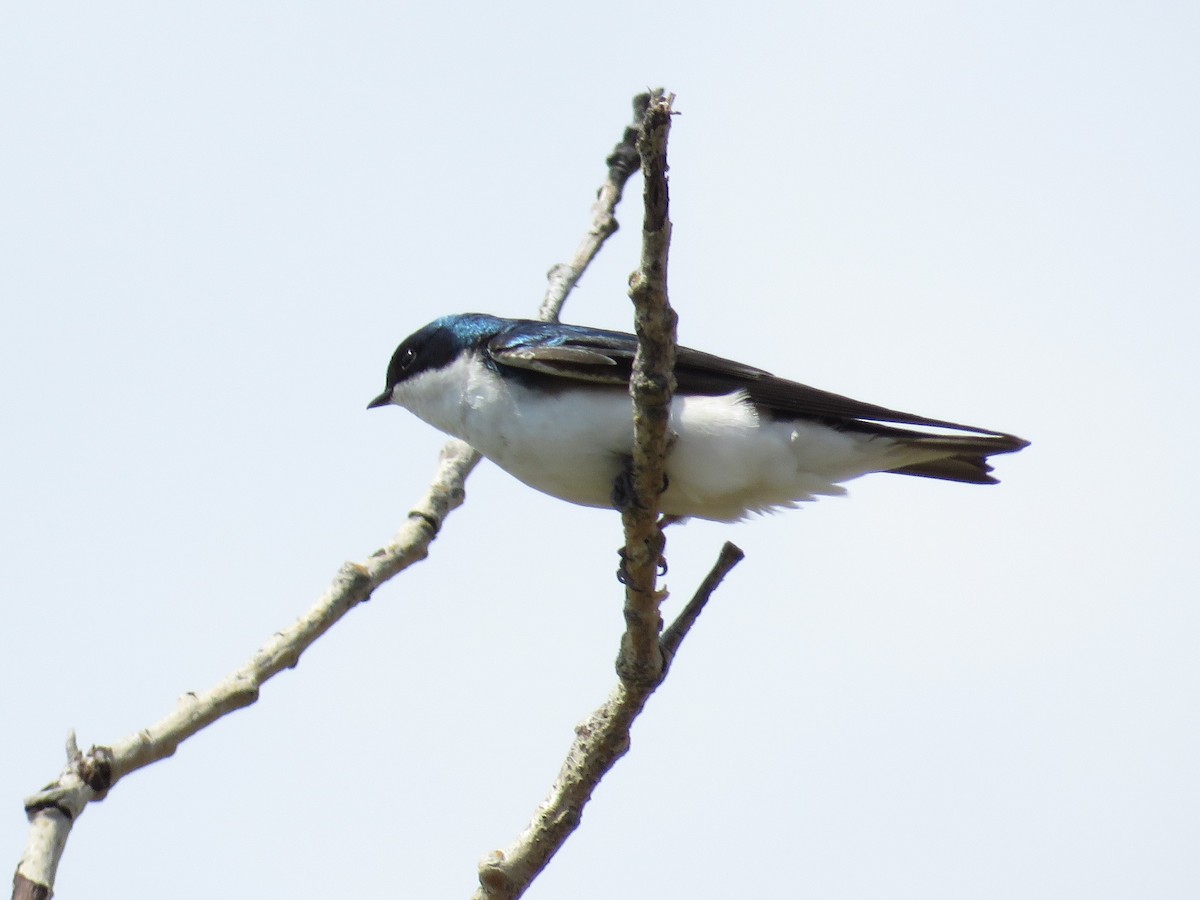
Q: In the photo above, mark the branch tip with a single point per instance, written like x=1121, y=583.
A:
x=730, y=556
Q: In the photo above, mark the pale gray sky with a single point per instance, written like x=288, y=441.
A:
x=217, y=221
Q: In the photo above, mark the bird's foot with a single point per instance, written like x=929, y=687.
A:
x=623, y=493
x=623, y=575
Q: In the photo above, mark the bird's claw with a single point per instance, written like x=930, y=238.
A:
x=623, y=575
x=624, y=495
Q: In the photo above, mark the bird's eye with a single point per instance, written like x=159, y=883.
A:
x=407, y=357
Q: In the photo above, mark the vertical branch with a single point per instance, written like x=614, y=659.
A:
x=600, y=740
x=603, y=738
x=651, y=385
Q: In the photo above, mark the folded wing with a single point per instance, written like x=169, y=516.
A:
x=556, y=351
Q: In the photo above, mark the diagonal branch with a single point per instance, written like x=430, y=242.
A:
x=622, y=163
x=89, y=776
x=731, y=554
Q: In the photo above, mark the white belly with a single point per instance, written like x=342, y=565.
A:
x=725, y=462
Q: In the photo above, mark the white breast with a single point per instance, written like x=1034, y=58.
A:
x=566, y=444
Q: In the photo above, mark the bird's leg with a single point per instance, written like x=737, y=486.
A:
x=622, y=489
x=623, y=498
x=623, y=494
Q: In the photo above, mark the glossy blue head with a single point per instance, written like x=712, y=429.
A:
x=436, y=345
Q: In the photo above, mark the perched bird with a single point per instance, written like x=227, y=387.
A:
x=549, y=404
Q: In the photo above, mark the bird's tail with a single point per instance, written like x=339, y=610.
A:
x=957, y=457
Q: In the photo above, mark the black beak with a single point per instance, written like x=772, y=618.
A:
x=382, y=400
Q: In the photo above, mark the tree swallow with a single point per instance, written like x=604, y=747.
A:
x=549, y=404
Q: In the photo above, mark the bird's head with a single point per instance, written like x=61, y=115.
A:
x=434, y=347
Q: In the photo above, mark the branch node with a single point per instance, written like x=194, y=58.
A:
x=428, y=520
x=95, y=769
x=493, y=877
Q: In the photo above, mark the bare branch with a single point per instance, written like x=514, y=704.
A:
x=730, y=555
x=604, y=737
x=600, y=740
x=622, y=163
x=652, y=385
x=88, y=776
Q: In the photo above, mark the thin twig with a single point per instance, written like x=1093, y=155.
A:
x=622, y=163
x=730, y=555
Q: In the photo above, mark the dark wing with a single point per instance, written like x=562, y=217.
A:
x=548, y=353
x=570, y=362
x=592, y=355
x=589, y=355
